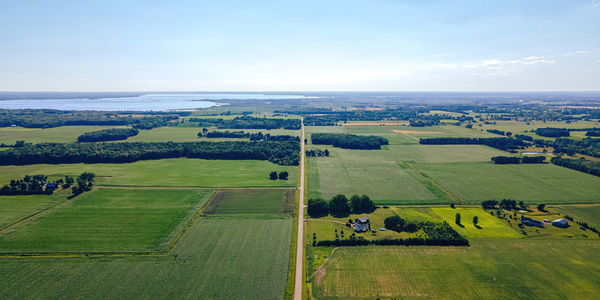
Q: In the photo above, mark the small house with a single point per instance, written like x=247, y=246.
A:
x=562, y=223
x=531, y=222
x=362, y=224
x=51, y=186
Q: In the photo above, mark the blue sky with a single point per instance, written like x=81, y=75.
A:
x=299, y=45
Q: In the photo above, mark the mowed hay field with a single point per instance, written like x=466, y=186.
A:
x=107, y=220
x=166, y=173
x=489, y=269
x=533, y=184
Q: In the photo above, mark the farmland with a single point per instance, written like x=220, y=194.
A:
x=166, y=172
x=15, y=208
x=63, y=134
x=489, y=269
x=108, y=220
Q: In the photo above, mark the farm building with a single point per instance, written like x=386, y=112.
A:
x=531, y=222
x=560, y=223
x=51, y=186
x=361, y=224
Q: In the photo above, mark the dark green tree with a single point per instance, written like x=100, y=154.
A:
x=273, y=175
x=283, y=175
x=457, y=219
x=339, y=206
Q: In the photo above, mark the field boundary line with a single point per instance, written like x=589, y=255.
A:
x=452, y=198
x=20, y=222
x=142, y=187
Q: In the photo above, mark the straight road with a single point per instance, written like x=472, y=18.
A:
x=300, y=244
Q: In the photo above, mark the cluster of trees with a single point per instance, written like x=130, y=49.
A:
x=587, y=146
x=584, y=225
x=283, y=175
x=340, y=206
x=17, y=144
x=552, y=132
x=247, y=122
x=518, y=160
x=283, y=153
x=112, y=134
x=507, y=204
x=592, y=133
x=425, y=122
x=524, y=137
x=224, y=134
x=502, y=143
x=85, y=182
x=317, y=152
x=583, y=165
x=360, y=241
x=499, y=132
x=47, y=118
x=396, y=223
x=29, y=185
x=349, y=141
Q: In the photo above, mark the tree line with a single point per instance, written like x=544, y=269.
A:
x=279, y=152
x=47, y=118
x=258, y=136
x=502, y=143
x=501, y=160
x=349, y=141
x=583, y=165
x=340, y=206
x=552, y=132
x=317, y=153
x=111, y=134
x=247, y=122
x=29, y=185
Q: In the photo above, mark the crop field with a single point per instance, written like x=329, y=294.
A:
x=15, y=208
x=227, y=202
x=64, y=134
x=384, y=174
x=107, y=220
x=166, y=173
x=190, y=134
x=489, y=269
x=533, y=184
x=584, y=213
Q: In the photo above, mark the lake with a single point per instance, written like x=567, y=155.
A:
x=147, y=102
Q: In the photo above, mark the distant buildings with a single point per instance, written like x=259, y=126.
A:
x=562, y=223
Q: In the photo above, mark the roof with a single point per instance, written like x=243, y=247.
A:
x=561, y=221
x=363, y=220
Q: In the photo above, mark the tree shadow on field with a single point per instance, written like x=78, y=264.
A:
x=478, y=227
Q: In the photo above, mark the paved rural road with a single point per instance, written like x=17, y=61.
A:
x=300, y=245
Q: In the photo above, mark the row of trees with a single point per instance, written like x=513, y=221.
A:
x=518, y=160
x=46, y=118
x=552, y=132
x=524, y=137
x=349, y=141
x=340, y=206
x=507, y=204
x=502, y=143
x=247, y=122
x=29, y=185
x=317, y=152
x=258, y=136
x=592, y=133
x=499, y=132
x=283, y=153
x=85, y=182
x=111, y=134
x=583, y=165
x=283, y=175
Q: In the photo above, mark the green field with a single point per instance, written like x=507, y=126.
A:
x=488, y=225
x=108, y=220
x=15, y=208
x=166, y=172
x=533, y=184
x=63, y=134
x=584, y=213
x=228, y=202
x=489, y=269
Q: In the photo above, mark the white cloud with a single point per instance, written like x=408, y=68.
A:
x=576, y=52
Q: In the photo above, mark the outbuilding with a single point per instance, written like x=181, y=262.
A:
x=560, y=223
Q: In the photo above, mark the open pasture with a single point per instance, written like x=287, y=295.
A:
x=473, y=182
x=488, y=226
x=63, y=134
x=166, y=173
x=108, y=220
x=488, y=269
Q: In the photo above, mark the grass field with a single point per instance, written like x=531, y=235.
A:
x=489, y=269
x=64, y=134
x=533, y=184
x=110, y=220
x=488, y=226
x=167, y=172
x=252, y=202
x=584, y=213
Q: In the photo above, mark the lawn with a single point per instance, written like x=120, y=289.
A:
x=63, y=134
x=252, y=202
x=108, y=220
x=489, y=269
x=533, y=184
x=167, y=172
x=488, y=225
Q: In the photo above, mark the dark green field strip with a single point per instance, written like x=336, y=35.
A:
x=228, y=202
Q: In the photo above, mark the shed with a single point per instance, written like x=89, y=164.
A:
x=560, y=223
